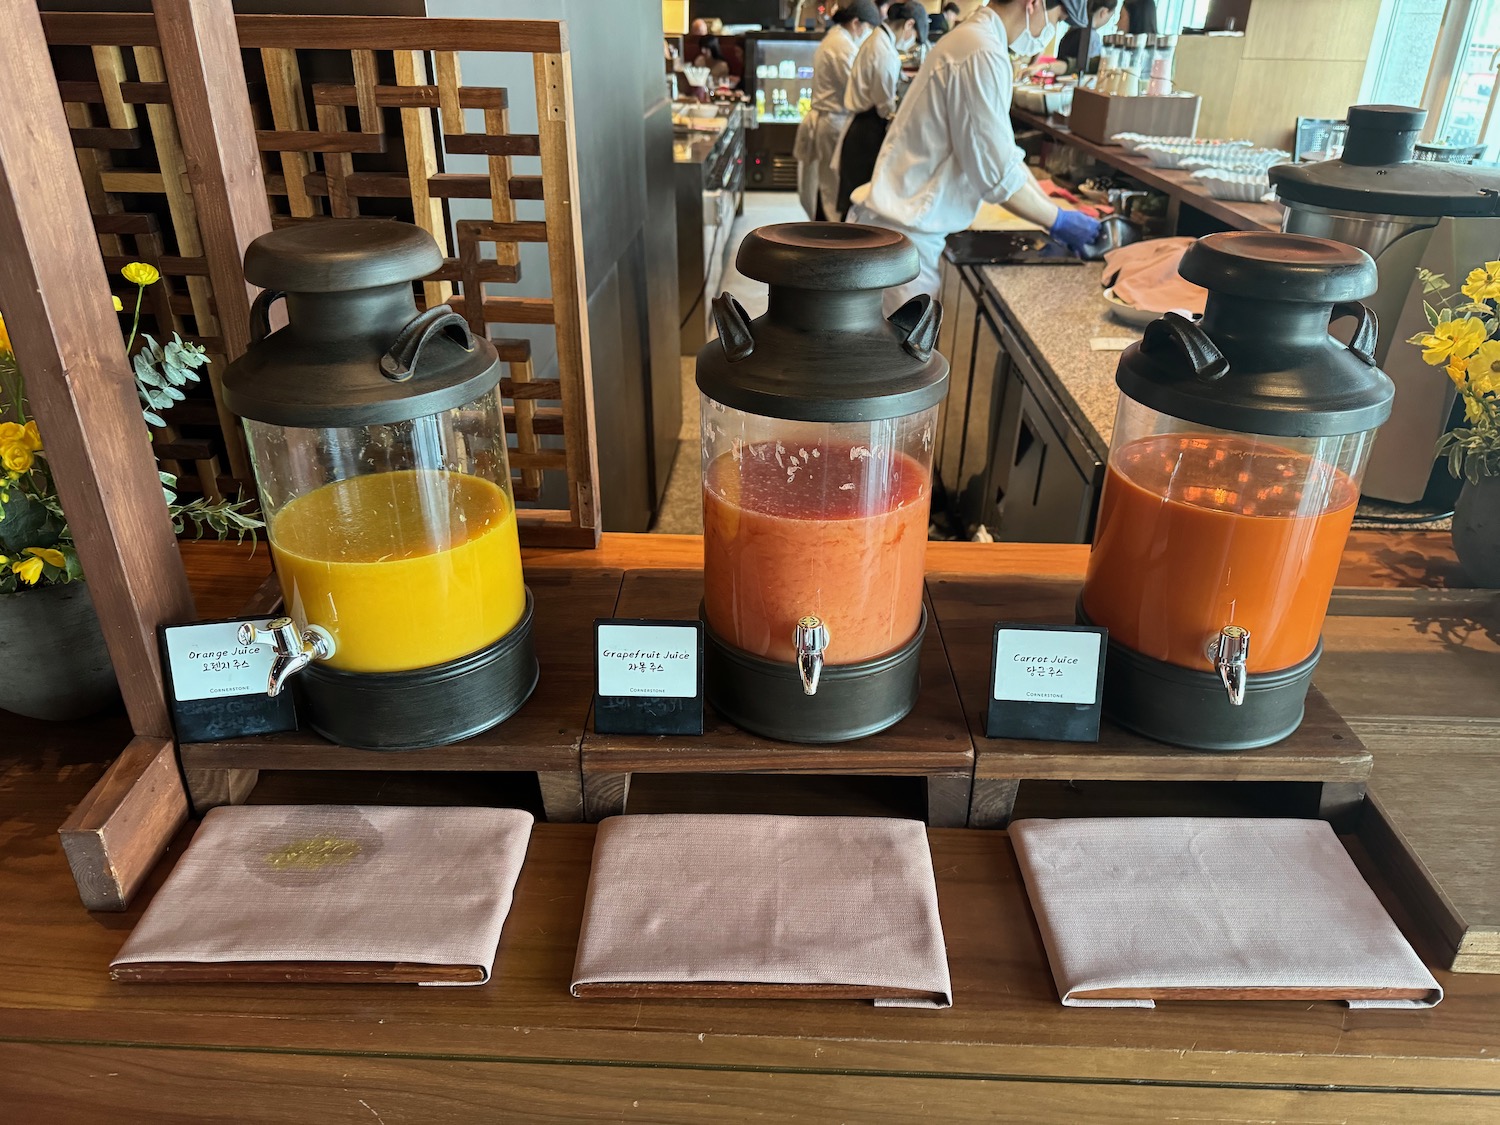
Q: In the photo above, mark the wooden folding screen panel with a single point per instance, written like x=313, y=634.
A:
x=354, y=116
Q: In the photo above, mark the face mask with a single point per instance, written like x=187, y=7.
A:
x=906, y=44
x=1029, y=44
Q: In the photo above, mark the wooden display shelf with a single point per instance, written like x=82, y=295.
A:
x=1416, y=672
x=932, y=742
x=542, y=737
x=1323, y=751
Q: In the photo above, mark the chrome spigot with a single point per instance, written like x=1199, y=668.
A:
x=1229, y=651
x=812, y=640
x=294, y=650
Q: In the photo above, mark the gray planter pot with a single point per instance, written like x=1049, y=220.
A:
x=1476, y=531
x=53, y=662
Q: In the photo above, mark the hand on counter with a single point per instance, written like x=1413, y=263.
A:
x=1075, y=230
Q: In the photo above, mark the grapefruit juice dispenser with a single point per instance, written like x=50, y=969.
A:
x=1232, y=482
x=818, y=422
x=379, y=448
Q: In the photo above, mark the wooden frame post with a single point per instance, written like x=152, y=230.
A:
x=56, y=297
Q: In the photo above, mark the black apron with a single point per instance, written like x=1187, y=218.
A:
x=862, y=142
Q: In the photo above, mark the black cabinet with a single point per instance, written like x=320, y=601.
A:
x=1047, y=498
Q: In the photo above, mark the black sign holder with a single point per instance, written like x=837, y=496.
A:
x=649, y=714
x=225, y=716
x=1039, y=719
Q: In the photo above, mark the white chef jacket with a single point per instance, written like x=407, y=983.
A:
x=875, y=77
x=950, y=147
x=818, y=134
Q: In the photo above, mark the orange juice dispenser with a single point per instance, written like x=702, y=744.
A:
x=818, y=421
x=1232, y=482
x=379, y=451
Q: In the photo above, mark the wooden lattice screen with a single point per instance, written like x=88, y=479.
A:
x=354, y=116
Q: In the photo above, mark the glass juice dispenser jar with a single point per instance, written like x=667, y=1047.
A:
x=379, y=450
x=818, y=427
x=1232, y=481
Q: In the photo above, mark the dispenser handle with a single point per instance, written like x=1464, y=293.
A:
x=260, y=313
x=400, y=362
x=1202, y=354
x=734, y=328
x=1366, y=332
x=918, y=321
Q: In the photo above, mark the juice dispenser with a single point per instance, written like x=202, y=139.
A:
x=379, y=451
x=818, y=426
x=1232, y=481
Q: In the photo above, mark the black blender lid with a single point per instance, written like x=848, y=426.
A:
x=1295, y=380
x=1377, y=174
x=823, y=352
x=359, y=354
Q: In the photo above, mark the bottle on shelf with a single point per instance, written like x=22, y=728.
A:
x=1163, y=59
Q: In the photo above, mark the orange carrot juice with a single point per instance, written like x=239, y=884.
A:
x=842, y=535
x=405, y=569
x=1197, y=532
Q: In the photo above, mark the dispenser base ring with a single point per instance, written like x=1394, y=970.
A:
x=423, y=707
x=853, y=701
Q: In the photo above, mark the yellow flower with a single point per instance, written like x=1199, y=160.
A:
x=48, y=555
x=1458, y=373
x=119, y=304
x=1483, y=284
x=1484, y=368
x=1452, y=339
x=11, y=431
x=31, y=437
x=4, y=338
x=141, y=273
x=28, y=570
x=15, y=457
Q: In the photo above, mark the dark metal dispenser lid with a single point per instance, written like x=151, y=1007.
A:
x=823, y=352
x=1378, y=175
x=1261, y=361
x=355, y=351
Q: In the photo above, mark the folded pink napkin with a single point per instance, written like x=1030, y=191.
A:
x=707, y=901
x=333, y=893
x=1136, y=909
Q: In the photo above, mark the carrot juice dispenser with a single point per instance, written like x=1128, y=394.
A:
x=818, y=426
x=1232, y=482
x=379, y=450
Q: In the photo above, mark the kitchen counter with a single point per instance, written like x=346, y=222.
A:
x=696, y=144
x=1180, y=187
x=1056, y=311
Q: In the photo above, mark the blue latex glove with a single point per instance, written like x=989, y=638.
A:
x=1075, y=230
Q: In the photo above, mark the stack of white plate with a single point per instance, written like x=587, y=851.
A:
x=1241, y=187
x=1170, y=154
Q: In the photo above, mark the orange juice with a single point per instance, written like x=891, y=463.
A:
x=843, y=537
x=405, y=569
x=1197, y=532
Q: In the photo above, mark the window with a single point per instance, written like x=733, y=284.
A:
x=1472, y=91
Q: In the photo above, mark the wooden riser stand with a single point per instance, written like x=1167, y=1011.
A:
x=1323, y=751
x=931, y=743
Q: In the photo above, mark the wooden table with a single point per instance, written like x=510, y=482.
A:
x=76, y=1047
x=1180, y=187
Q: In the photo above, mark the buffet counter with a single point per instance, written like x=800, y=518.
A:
x=1180, y=187
x=75, y=1046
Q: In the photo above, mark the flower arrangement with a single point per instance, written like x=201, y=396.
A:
x=1463, y=339
x=36, y=546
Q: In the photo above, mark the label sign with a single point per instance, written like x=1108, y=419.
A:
x=649, y=676
x=1047, y=682
x=208, y=661
x=217, y=686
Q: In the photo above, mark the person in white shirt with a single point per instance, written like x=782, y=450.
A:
x=951, y=148
x=819, y=131
x=870, y=99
